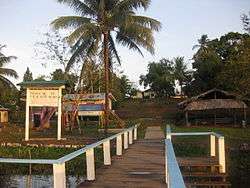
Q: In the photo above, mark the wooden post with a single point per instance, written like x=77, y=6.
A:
x=186, y=116
x=215, y=117
x=212, y=145
x=119, y=145
x=234, y=118
x=59, y=114
x=27, y=115
x=130, y=135
x=90, y=162
x=126, y=140
x=222, y=163
x=59, y=175
x=135, y=133
x=166, y=166
x=106, y=153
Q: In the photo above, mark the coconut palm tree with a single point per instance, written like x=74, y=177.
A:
x=100, y=24
x=180, y=71
x=6, y=71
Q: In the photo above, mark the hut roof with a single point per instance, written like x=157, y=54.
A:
x=3, y=109
x=35, y=83
x=213, y=99
x=215, y=104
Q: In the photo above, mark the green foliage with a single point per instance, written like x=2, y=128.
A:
x=115, y=19
x=27, y=75
x=181, y=74
x=72, y=79
x=222, y=63
x=77, y=166
x=6, y=71
x=160, y=78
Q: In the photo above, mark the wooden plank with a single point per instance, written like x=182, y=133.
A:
x=142, y=165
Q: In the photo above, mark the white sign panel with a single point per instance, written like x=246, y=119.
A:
x=43, y=98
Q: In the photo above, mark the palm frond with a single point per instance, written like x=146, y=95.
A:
x=69, y=21
x=85, y=31
x=145, y=22
x=79, y=50
x=6, y=59
x=126, y=41
x=79, y=7
x=7, y=83
x=133, y=4
x=142, y=36
x=113, y=49
x=8, y=72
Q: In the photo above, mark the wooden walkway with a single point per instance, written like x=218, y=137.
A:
x=142, y=165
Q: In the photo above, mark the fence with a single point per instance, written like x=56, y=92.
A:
x=173, y=176
x=123, y=140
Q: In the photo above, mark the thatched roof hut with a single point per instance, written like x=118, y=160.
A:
x=212, y=100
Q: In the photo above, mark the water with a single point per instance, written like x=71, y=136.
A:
x=35, y=181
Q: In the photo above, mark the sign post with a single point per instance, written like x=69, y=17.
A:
x=40, y=94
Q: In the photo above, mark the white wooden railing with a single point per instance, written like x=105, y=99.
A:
x=173, y=176
x=123, y=140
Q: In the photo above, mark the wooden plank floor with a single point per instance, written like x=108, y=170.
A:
x=142, y=165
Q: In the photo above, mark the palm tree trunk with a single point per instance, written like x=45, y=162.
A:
x=106, y=78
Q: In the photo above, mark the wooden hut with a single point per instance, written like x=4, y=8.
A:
x=214, y=101
x=4, y=117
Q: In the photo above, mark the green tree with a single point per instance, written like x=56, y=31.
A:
x=6, y=71
x=202, y=45
x=72, y=79
x=180, y=71
x=225, y=65
x=27, y=75
x=160, y=78
x=102, y=22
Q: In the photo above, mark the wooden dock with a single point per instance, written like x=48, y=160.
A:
x=142, y=165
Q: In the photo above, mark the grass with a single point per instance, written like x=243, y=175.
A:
x=237, y=159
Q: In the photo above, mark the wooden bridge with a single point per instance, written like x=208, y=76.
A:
x=149, y=162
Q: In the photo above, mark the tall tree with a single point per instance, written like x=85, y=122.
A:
x=72, y=79
x=202, y=46
x=27, y=75
x=160, y=78
x=6, y=71
x=100, y=23
x=180, y=71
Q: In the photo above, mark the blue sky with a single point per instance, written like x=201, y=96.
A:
x=183, y=22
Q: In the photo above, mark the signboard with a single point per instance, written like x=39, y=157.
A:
x=43, y=97
x=85, y=97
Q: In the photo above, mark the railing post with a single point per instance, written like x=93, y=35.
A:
x=126, y=140
x=135, y=133
x=119, y=145
x=106, y=153
x=168, y=132
x=59, y=175
x=130, y=136
x=90, y=162
x=212, y=145
x=166, y=163
x=222, y=162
